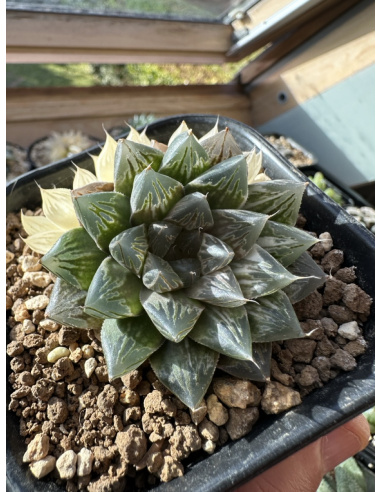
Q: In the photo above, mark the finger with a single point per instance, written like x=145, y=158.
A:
x=304, y=470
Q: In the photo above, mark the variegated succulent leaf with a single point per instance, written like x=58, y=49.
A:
x=179, y=259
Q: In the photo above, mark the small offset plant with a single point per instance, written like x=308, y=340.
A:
x=185, y=254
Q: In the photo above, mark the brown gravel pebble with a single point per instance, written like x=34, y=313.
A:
x=278, y=398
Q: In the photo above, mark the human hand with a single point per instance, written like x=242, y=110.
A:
x=304, y=470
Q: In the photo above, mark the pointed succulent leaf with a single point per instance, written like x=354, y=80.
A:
x=75, y=258
x=186, y=369
x=113, y=292
x=66, y=307
x=188, y=269
x=254, y=165
x=285, y=243
x=185, y=159
x=187, y=245
x=183, y=127
x=103, y=215
x=83, y=177
x=35, y=224
x=213, y=254
x=240, y=229
x=104, y=162
x=94, y=187
x=130, y=160
x=191, y=212
x=303, y=287
x=153, y=196
x=280, y=198
x=173, y=313
x=273, y=318
x=127, y=343
x=259, y=274
x=218, y=288
x=258, y=369
x=58, y=208
x=221, y=147
x=225, y=183
x=161, y=236
x=210, y=133
x=43, y=241
x=135, y=136
x=159, y=276
x=225, y=330
x=130, y=248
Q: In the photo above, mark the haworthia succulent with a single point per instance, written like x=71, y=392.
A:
x=130, y=248
x=161, y=236
x=103, y=215
x=127, y=343
x=75, y=258
x=186, y=368
x=191, y=212
x=279, y=198
x=159, y=276
x=221, y=147
x=257, y=369
x=213, y=254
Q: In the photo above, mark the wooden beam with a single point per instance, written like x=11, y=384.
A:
x=285, y=45
x=34, y=113
x=46, y=37
x=293, y=15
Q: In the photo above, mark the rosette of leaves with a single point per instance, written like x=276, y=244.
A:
x=185, y=263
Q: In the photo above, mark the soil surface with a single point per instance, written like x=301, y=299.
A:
x=89, y=434
x=295, y=155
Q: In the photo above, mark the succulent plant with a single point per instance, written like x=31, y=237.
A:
x=185, y=255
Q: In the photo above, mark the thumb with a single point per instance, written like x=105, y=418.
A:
x=304, y=470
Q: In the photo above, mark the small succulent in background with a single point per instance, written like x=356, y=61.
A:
x=185, y=254
x=16, y=161
x=57, y=146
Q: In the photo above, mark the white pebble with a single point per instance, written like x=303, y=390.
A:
x=28, y=327
x=37, y=449
x=30, y=263
x=37, y=302
x=38, y=279
x=87, y=351
x=49, y=325
x=66, y=465
x=58, y=353
x=10, y=257
x=90, y=366
x=326, y=241
x=209, y=446
x=350, y=331
x=85, y=462
x=42, y=467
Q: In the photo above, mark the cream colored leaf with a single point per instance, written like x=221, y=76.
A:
x=181, y=129
x=254, y=165
x=34, y=224
x=261, y=177
x=42, y=242
x=144, y=140
x=211, y=132
x=83, y=177
x=104, y=164
x=58, y=207
x=134, y=135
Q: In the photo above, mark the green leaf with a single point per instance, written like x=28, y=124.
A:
x=227, y=331
x=186, y=369
x=285, y=243
x=187, y=245
x=273, y=318
x=130, y=248
x=185, y=159
x=225, y=183
x=328, y=484
x=66, y=307
x=159, y=276
x=240, y=229
x=75, y=258
x=131, y=158
x=258, y=369
x=188, y=269
x=349, y=477
x=221, y=147
x=303, y=287
x=103, y=215
x=161, y=236
x=218, y=288
x=191, y=212
x=114, y=292
x=173, y=314
x=153, y=196
x=280, y=198
x=127, y=343
x=259, y=274
x=213, y=254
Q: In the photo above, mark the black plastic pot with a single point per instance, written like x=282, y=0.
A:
x=273, y=438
